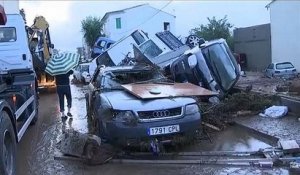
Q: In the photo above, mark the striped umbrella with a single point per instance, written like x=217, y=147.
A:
x=62, y=63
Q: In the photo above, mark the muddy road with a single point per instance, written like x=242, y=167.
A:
x=37, y=148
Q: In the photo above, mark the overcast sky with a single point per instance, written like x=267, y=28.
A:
x=65, y=17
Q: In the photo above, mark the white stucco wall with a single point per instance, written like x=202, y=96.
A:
x=138, y=18
x=285, y=31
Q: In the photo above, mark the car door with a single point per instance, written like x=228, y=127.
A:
x=92, y=88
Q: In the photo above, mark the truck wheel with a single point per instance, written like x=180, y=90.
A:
x=7, y=146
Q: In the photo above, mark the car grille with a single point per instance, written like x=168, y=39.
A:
x=159, y=114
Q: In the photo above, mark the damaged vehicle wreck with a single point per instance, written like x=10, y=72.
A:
x=210, y=64
x=127, y=119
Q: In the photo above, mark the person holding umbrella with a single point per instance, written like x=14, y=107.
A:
x=60, y=66
x=64, y=90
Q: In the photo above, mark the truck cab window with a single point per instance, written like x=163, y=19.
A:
x=8, y=34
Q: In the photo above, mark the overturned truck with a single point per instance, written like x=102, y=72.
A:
x=209, y=64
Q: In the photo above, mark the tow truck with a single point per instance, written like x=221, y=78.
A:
x=18, y=92
x=41, y=50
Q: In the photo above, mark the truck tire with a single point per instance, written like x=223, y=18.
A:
x=7, y=146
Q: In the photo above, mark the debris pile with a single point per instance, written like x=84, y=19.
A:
x=234, y=105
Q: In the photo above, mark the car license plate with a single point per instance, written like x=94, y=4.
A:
x=163, y=130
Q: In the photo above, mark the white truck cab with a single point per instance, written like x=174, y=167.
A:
x=18, y=90
x=14, y=50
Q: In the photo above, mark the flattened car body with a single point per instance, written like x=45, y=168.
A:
x=126, y=119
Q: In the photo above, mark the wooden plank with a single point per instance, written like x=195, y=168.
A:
x=59, y=156
x=150, y=90
x=216, y=161
x=211, y=126
x=202, y=153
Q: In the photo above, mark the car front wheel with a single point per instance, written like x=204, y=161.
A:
x=7, y=146
x=99, y=130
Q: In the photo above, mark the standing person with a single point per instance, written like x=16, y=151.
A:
x=63, y=89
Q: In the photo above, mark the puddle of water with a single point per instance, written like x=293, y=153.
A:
x=79, y=121
x=231, y=139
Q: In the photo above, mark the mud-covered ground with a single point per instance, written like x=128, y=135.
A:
x=260, y=83
x=36, y=150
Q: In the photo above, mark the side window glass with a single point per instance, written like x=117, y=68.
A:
x=108, y=45
x=272, y=66
x=101, y=44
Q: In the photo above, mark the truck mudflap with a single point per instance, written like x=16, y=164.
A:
x=14, y=116
x=30, y=118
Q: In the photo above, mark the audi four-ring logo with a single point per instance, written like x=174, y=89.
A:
x=164, y=113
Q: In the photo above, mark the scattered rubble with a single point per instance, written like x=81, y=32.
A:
x=262, y=84
x=238, y=104
x=85, y=147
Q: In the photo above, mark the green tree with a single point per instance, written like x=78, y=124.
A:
x=215, y=29
x=92, y=28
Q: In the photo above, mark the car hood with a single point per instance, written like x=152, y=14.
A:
x=122, y=100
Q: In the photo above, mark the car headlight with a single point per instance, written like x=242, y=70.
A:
x=125, y=116
x=191, y=109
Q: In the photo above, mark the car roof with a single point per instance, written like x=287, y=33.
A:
x=282, y=62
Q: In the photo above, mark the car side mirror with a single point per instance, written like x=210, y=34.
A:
x=192, y=60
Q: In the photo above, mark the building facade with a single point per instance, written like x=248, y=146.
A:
x=118, y=24
x=285, y=31
x=255, y=43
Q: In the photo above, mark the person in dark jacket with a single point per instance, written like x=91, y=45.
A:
x=63, y=89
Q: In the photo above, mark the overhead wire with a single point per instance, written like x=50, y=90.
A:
x=158, y=11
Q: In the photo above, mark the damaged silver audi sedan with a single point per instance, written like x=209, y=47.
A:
x=133, y=105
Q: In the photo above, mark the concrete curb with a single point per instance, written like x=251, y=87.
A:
x=271, y=140
x=293, y=103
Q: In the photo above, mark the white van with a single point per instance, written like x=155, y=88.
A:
x=14, y=52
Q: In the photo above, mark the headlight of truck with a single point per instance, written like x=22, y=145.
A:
x=191, y=109
x=125, y=116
